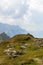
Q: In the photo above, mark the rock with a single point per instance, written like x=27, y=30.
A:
x=7, y=51
x=13, y=53
x=23, y=47
x=41, y=45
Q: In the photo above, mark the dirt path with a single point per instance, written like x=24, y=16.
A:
x=39, y=61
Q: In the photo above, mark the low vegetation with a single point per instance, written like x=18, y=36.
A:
x=22, y=49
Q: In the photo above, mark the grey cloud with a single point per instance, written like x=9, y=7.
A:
x=37, y=17
x=10, y=11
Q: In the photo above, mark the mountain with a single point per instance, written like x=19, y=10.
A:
x=11, y=30
x=3, y=37
x=22, y=49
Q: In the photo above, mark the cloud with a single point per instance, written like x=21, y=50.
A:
x=28, y=14
x=37, y=5
x=11, y=8
x=36, y=8
x=13, y=12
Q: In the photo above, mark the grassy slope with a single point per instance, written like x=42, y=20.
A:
x=32, y=51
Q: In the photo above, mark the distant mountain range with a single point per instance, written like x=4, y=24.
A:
x=11, y=30
x=3, y=37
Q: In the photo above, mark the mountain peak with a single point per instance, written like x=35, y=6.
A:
x=11, y=30
x=3, y=37
x=3, y=33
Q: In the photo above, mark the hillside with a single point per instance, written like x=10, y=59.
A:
x=22, y=49
x=3, y=37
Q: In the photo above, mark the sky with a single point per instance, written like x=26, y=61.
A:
x=28, y=14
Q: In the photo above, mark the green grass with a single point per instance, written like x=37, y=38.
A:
x=32, y=50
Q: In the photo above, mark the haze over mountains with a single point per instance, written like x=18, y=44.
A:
x=11, y=30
